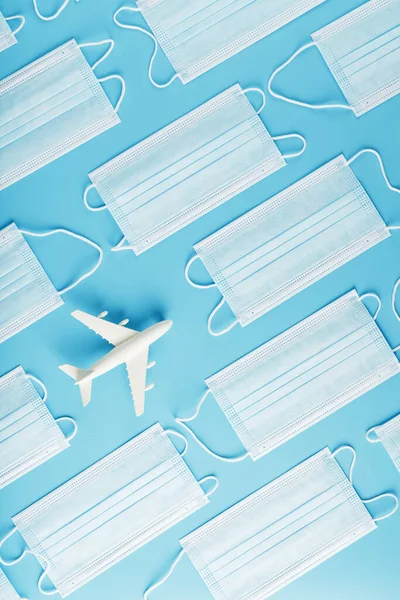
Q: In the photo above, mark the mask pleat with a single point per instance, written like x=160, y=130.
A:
x=106, y=510
x=280, y=532
x=362, y=50
x=26, y=293
x=109, y=510
x=200, y=34
x=187, y=169
x=288, y=242
x=43, y=114
x=297, y=377
x=48, y=108
x=16, y=278
x=28, y=433
x=302, y=376
x=389, y=435
x=7, y=592
x=7, y=38
x=282, y=246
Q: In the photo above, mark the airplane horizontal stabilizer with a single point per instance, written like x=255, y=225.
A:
x=85, y=387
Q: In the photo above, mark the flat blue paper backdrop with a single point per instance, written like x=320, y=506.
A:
x=152, y=286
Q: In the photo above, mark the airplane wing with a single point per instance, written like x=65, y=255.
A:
x=137, y=369
x=114, y=334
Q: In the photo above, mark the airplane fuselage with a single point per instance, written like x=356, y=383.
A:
x=126, y=350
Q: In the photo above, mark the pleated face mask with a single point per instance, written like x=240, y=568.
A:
x=188, y=168
x=198, y=35
x=26, y=292
x=362, y=51
x=290, y=241
x=388, y=435
x=280, y=532
x=29, y=435
x=7, y=35
x=50, y=107
x=7, y=592
x=302, y=376
x=112, y=508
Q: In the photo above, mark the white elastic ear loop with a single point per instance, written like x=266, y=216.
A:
x=123, y=88
x=78, y=237
x=119, y=247
x=372, y=440
x=108, y=77
x=180, y=436
x=100, y=43
x=260, y=91
x=394, y=294
x=182, y=421
x=376, y=297
x=199, y=286
x=211, y=317
x=386, y=495
x=214, y=488
x=41, y=385
x=164, y=578
x=64, y=4
x=150, y=35
x=43, y=575
x=92, y=186
x=288, y=136
x=378, y=156
x=10, y=563
x=20, y=26
x=353, y=461
x=74, y=423
x=298, y=102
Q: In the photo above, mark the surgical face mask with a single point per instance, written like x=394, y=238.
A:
x=388, y=435
x=302, y=376
x=362, y=51
x=290, y=241
x=26, y=292
x=280, y=532
x=50, y=107
x=7, y=35
x=109, y=510
x=198, y=35
x=188, y=168
x=7, y=592
x=29, y=435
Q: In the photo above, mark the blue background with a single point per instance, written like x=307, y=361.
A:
x=152, y=286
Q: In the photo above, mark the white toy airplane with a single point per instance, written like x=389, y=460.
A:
x=131, y=348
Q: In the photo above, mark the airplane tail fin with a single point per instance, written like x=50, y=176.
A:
x=85, y=387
